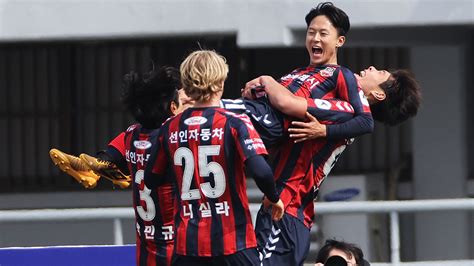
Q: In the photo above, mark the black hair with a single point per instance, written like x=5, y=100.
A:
x=351, y=250
x=337, y=16
x=148, y=96
x=402, y=98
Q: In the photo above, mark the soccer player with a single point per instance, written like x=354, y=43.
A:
x=205, y=149
x=393, y=98
x=150, y=98
x=301, y=168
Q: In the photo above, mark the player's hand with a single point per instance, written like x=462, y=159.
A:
x=247, y=90
x=301, y=131
x=278, y=209
x=319, y=264
x=261, y=82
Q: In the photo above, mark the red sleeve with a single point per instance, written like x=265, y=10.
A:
x=250, y=142
x=330, y=111
x=119, y=143
x=348, y=89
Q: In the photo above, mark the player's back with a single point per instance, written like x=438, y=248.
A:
x=207, y=148
x=154, y=209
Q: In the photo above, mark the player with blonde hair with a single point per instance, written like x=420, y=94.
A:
x=205, y=150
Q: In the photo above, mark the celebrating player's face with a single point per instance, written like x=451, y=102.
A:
x=369, y=80
x=371, y=77
x=322, y=39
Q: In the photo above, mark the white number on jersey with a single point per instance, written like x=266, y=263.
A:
x=205, y=169
x=150, y=213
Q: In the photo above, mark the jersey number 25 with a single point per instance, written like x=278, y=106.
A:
x=205, y=168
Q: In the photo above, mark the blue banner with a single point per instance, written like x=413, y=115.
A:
x=69, y=256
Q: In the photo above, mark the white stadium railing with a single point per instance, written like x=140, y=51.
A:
x=393, y=208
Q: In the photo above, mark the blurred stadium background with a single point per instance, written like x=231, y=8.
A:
x=61, y=64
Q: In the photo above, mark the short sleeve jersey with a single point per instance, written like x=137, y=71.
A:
x=204, y=150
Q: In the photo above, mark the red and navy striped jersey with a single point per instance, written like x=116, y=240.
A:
x=271, y=124
x=204, y=149
x=332, y=82
x=299, y=168
x=154, y=209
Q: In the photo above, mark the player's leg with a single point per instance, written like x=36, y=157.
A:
x=164, y=253
x=285, y=242
x=179, y=260
x=87, y=169
x=106, y=169
x=241, y=258
x=74, y=167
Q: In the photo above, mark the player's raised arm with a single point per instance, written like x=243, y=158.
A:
x=279, y=96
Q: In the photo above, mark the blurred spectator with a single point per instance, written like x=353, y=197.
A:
x=331, y=253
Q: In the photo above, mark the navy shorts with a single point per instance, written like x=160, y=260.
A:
x=268, y=121
x=285, y=242
x=246, y=257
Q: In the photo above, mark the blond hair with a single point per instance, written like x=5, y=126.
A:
x=203, y=74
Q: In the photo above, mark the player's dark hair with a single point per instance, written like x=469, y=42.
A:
x=148, y=96
x=351, y=250
x=403, y=98
x=337, y=16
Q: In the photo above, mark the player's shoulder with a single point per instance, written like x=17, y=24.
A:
x=233, y=118
x=133, y=127
x=232, y=115
x=294, y=73
x=334, y=72
x=329, y=70
x=345, y=71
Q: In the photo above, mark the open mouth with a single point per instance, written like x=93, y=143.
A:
x=317, y=50
x=362, y=73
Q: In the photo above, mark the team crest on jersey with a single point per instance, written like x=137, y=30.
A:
x=132, y=127
x=327, y=72
x=322, y=104
x=142, y=144
x=196, y=120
